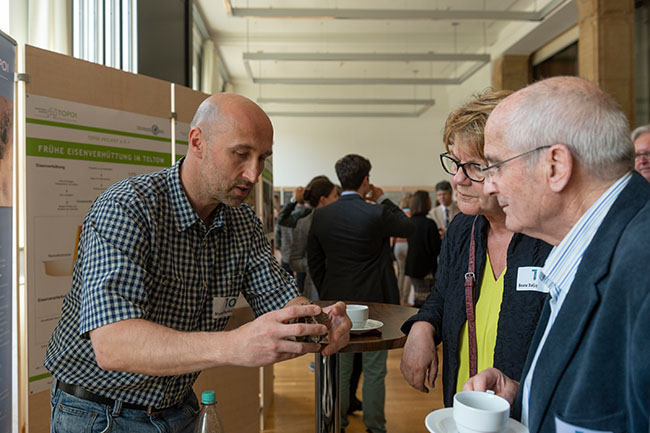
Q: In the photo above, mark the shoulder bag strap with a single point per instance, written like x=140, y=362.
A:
x=470, y=283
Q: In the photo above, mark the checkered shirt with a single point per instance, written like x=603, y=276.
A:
x=144, y=253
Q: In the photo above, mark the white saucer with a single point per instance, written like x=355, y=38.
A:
x=442, y=421
x=370, y=325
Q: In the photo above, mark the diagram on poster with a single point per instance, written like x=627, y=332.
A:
x=74, y=152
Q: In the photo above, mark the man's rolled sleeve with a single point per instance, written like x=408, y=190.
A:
x=113, y=282
x=267, y=286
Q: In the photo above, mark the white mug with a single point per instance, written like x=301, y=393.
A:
x=358, y=314
x=480, y=412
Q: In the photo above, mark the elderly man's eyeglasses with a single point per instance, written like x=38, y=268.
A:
x=491, y=170
x=645, y=154
x=472, y=170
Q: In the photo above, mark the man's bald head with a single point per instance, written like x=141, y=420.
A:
x=230, y=139
x=570, y=111
x=220, y=111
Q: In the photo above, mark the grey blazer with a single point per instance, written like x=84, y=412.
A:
x=438, y=216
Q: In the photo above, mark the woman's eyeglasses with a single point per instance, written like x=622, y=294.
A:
x=472, y=170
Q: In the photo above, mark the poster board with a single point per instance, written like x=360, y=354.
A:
x=186, y=101
x=8, y=350
x=87, y=126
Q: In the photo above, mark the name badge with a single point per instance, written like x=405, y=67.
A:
x=223, y=306
x=528, y=279
x=565, y=427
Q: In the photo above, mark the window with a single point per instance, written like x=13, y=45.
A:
x=105, y=32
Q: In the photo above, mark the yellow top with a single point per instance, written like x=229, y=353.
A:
x=487, y=318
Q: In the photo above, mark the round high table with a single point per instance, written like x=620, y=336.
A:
x=328, y=374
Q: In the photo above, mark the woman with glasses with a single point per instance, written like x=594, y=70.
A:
x=501, y=285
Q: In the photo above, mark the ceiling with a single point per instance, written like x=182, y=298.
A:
x=361, y=57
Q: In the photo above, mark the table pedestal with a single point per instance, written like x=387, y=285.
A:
x=328, y=369
x=328, y=393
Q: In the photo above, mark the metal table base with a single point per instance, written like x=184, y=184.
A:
x=328, y=368
x=328, y=394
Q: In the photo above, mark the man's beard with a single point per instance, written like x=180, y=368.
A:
x=232, y=198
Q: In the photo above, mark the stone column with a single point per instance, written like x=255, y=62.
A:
x=511, y=72
x=606, y=48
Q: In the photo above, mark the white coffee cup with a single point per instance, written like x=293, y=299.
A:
x=480, y=412
x=358, y=314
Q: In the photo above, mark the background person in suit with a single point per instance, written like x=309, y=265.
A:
x=641, y=139
x=349, y=259
x=446, y=210
x=561, y=165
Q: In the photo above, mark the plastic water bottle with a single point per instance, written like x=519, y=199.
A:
x=209, y=419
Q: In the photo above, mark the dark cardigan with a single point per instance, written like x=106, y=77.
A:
x=445, y=306
x=423, y=248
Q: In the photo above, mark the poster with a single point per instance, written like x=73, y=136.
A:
x=182, y=135
x=7, y=251
x=74, y=152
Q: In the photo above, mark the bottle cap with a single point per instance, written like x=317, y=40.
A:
x=208, y=397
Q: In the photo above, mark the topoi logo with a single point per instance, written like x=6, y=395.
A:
x=57, y=113
x=4, y=66
x=154, y=129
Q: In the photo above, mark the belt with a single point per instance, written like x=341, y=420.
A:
x=84, y=394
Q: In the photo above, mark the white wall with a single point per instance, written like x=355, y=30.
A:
x=403, y=151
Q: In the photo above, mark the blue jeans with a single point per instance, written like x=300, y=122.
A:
x=71, y=414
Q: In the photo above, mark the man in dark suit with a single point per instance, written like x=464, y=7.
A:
x=349, y=258
x=561, y=164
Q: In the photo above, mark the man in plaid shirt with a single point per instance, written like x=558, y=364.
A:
x=162, y=259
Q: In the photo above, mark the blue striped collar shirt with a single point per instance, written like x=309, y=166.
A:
x=562, y=264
